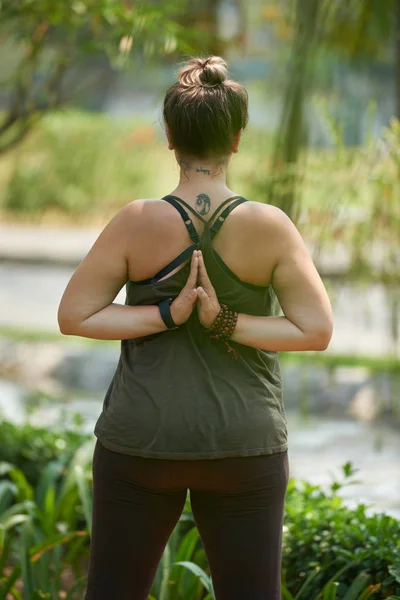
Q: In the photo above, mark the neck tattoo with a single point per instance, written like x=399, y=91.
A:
x=201, y=170
x=203, y=204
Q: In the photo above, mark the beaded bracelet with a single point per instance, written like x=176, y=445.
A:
x=223, y=327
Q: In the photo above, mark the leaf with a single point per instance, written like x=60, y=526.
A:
x=198, y=571
x=25, y=491
x=395, y=572
x=371, y=590
x=184, y=553
x=84, y=494
x=357, y=586
x=49, y=508
x=286, y=595
x=25, y=542
x=49, y=476
x=26, y=507
x=165, y=566
x=14, y=520
x=39, y=549
x=7, y=492
x=8, y=584
x=336, y=577
x=307, y=582
x=329, y=591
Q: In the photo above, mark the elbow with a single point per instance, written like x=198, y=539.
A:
x=65, y=328
x=320, y=339
x=66, y=325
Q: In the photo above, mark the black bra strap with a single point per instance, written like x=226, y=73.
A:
x=187, y=253
x=220, y=220
x=194, y=236
x=187, y=206
x=205, y=221
x=217, y=210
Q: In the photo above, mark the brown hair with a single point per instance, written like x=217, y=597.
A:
x=204, y=110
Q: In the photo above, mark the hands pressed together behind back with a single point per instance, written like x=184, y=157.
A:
x=198, y=290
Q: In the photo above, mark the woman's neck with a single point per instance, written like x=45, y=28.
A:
x=203, y=184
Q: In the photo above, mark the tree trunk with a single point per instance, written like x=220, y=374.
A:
x=397, y=59
x=291, y=132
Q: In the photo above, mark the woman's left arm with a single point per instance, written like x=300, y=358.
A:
x=87, y=307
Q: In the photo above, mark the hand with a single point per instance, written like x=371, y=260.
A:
x=182, y=307
x=208, y=306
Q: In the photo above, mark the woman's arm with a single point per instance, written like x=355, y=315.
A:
x=307, y=321
x=87, y=307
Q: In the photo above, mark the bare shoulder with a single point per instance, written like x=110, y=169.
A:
x=142, y=207
x=268, y=220
x=139, y=213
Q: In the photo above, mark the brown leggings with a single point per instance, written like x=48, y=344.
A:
x=237, y=504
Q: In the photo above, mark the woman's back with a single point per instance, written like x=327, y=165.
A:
x=177, y=394
x=247, y=241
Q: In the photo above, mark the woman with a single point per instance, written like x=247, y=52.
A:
x=196, y=400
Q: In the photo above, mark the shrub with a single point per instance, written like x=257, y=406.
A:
x=77, y=164
x=342, y=553
x=322, y=533
x=30, y=448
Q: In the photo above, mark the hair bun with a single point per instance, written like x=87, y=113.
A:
x=208, y=72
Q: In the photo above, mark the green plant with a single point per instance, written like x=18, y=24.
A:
x=322, y=533
x=30, y=449
x=47, y=40
x=80, y=164
x=330, y=552
x=40, y=535
x=182, y=570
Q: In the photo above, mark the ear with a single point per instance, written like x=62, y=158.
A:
x=236, y=142
x=170, y=144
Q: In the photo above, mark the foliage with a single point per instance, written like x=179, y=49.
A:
x=324, y=535
x=58, y=177
x=349, y=197
x=41, y=543
x=44, y=549
x=361, y=208
x=31, y=448
x=350, y=29
x=52, y=38
x=84, y=165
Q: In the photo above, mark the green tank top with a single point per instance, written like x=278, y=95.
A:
x=178, y=394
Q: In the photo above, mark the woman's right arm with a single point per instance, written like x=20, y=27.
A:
x=307, y=322
x=87, y=308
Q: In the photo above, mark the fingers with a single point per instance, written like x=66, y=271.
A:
x=203, y=297
x=204, y=279
x=192, y=279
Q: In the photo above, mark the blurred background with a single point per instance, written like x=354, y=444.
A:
x=81, y=135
